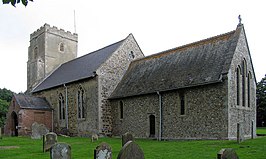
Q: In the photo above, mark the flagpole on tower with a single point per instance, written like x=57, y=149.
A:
x=75, y=31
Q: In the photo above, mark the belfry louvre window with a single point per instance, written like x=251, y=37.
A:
x=61, y=107
x=80, y=101
x=182, y=103
x=61, y=47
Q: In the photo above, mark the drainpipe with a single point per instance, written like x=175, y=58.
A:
x=52, y=120
x=66, y=107
x=160, y=110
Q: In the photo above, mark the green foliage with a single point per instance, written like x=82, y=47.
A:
x=3, y=111
x=83, y=148
x=5, y=98
x=14, y=2
x=261, y=102
x=6, y=94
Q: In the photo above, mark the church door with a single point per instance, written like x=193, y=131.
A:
x=152, y=125
x=14, y=127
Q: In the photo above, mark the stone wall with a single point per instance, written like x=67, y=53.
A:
x=244, y=115
x=76, y=126
x=205, y=114
x=110, y=73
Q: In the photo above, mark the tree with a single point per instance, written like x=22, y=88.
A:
x=14, y=2
x=6, y=94
x=3, y=111
x=5, y=99
x=261, y=102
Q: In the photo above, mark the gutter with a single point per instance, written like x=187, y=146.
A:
x=66, y=107
x=160, y=111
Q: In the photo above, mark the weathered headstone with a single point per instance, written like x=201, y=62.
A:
x=103, y=151
x=49, y=140
x=227, y=154
x=127, y=137
x=240, y=135
x=131, y=150
x=60, y=151
x=38, y=130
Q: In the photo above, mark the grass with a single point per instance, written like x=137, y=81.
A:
x=261, y=130
x=82, y=148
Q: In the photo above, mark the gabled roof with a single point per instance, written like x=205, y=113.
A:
x=195, y=64
x=30, y=102
x=79, y=68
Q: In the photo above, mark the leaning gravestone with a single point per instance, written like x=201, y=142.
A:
x=227, y=154
x=103, y=151
x=38, y=130
x=131, y=150
x=60, y=151
x=49, y=140
x=127, y=137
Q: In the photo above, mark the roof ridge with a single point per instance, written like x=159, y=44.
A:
x=93, y=52
x=186, y=46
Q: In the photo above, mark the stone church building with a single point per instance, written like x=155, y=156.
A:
x=203, y=90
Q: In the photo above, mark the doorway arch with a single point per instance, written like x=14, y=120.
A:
x=152, y=125
x=14, y=126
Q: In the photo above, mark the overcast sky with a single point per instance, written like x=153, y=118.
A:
x=156, y=25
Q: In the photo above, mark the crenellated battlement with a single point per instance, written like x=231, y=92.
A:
x=54, y=30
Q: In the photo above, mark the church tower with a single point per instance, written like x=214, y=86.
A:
x=49, y=48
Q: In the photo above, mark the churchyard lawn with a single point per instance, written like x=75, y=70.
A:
x=82, y=148
x=261, y=131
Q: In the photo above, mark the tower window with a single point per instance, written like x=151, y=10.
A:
x=61, y=47
x=35, y=53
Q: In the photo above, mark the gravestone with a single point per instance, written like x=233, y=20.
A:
x=103, y=151
x=60, y=151
x=127, y=137
x=131, y=150
x=49, y=140
x=38, y=130
x=227, y=154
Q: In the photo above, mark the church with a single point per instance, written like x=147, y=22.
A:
x=202, y=90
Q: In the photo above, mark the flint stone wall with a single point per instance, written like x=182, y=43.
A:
x=205, y=114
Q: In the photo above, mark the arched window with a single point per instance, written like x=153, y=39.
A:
x=61, y=47
x=61, y=107
x=244, y=74
x=80, y=101
x=121, y=108
x=238, y=85
x=249, y=95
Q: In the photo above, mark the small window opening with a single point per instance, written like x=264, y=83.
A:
x=121, y=106
x=131, y=55
x=182, y=104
